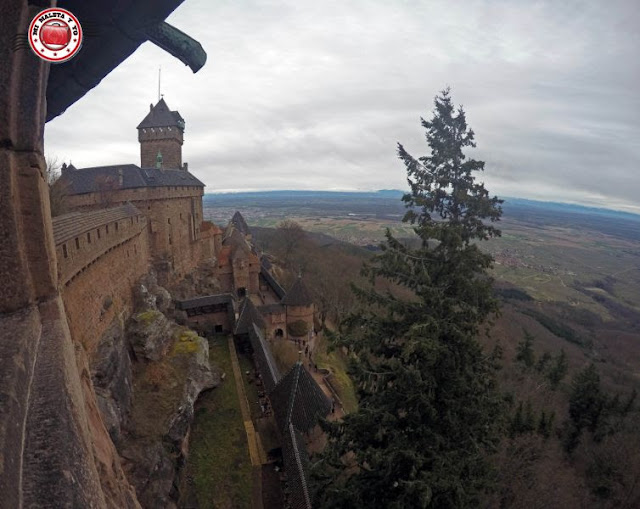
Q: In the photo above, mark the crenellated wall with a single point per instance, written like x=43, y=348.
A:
x=174, y=223
x=101, y=254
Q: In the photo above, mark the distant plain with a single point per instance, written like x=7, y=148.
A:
x=577, y=268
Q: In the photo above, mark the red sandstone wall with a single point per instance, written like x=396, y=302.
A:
x=174, y=222
x=304, y=313
x=168, y=141
x=99, y=282
x=206, y=322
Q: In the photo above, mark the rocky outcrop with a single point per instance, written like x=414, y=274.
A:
x=202, y=281
x=147, y=375
x=165, y=393
x=149, y=334
x=112, y=379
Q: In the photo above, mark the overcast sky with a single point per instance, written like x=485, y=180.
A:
x=315, y=94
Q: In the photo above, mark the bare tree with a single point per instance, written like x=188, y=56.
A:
x=290, y=235
x=58, y=187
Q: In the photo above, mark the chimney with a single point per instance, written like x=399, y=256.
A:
x=151, y=107
x=120, y=177
x=185, y=166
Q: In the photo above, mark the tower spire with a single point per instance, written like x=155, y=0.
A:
x=159, y=77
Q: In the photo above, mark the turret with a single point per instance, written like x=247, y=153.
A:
x=161, y=133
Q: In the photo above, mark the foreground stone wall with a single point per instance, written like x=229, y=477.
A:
x=54, y=450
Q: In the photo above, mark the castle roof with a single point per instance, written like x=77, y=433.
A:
x=272, y=282
x=296, y=464
x=299, y=400
x=237, y=243
x=298, y=295
x=161, y=116
x=240, y=224
x=101, y=178
x=248, y=316
x=69, y=226
x=263, y=357
x=208, y=300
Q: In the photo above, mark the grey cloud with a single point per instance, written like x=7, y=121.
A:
x=316, y=95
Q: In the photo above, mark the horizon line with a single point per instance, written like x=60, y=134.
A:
x=634, y=211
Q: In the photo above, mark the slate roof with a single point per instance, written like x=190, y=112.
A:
x=266, y=263
x=91, y=180
x=209, y=300
x=69, y=226
x=161, y=116
x=240, y=224
x=264, y=359
x=299, y=400
x=248, y=316
x=271, y=281
x=296, y=464
x=298, y=295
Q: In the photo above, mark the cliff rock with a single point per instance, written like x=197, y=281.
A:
x=165, y=393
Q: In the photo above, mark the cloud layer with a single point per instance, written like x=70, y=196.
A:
x=315, y=95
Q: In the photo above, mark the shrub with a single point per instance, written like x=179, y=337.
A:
x=298, y=328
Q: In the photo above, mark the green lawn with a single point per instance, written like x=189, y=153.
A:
x=336, y=362
x=218, y=469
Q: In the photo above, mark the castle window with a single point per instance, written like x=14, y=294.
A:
x=137, y=219
x=98, y=232
x=107, y=229
x=169, y=220
x=64, y=250
x=170, y=240
x=89, y=237
x=77, y=243
x=116, y=223
x=135, y=249
x=131, y=220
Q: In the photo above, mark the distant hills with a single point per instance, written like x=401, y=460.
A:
x=284, y=197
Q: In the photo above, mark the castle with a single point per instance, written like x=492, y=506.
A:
x=128, y=219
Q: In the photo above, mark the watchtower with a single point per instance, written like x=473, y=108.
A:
x=161, y=136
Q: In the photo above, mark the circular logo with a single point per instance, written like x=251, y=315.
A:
x=55, y=35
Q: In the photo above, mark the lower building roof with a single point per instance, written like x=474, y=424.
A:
x=208, y=300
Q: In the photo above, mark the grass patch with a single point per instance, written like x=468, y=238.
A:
x=218, y=468
x=250, y=388
x=336, y=362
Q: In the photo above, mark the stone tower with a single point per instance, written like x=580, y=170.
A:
x=161, y=135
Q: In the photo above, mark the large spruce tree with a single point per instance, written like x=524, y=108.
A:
x=429, y=412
